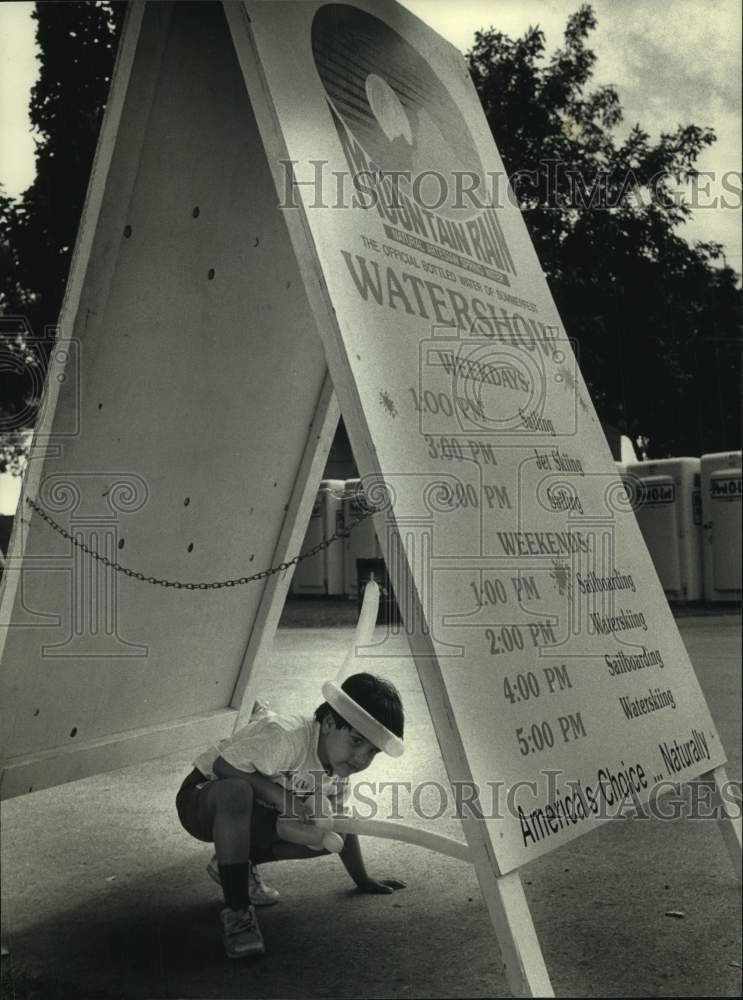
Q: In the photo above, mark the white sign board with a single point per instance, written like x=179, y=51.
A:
x=557, y=680
x=297, y=188
x=185, y=428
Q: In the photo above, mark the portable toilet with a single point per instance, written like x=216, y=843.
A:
x=309, y=574
x=362, y=542
x=668, y=516
x=721, y=523
x=332, y=493
x=323, y=573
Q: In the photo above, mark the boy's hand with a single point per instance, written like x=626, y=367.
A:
x=380, y=886
x=301, y=809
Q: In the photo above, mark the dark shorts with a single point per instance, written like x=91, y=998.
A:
x=195, y=816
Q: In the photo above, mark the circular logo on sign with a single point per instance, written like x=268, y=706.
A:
x=393, y=105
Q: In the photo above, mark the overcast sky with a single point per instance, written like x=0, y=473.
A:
x=673, y=63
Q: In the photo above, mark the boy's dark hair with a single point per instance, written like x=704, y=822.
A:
x=376, y=696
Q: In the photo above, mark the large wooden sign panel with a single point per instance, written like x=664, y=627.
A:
x=182, y=436
x=557, y=680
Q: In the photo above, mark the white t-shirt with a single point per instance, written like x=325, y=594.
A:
x=284, y=748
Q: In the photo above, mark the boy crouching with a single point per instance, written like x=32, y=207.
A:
x=273, y=769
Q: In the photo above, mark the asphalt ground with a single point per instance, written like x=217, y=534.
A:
x=104, y=895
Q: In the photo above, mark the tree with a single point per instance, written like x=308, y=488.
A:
x=77, y=43
x=656, y=321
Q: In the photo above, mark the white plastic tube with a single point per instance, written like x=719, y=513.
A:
x=364, y=630
x=345, y=706
x=407, y=834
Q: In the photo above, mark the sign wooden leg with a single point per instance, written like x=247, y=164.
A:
x=730, y=825
x=522, y=956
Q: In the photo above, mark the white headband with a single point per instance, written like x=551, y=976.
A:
x=361, y=721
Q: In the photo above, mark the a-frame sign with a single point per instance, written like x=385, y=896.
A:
x=283, y=190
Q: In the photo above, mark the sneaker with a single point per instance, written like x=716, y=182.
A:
x=260, y=893
x=241, y=934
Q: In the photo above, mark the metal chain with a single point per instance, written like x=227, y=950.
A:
x=177, y=584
